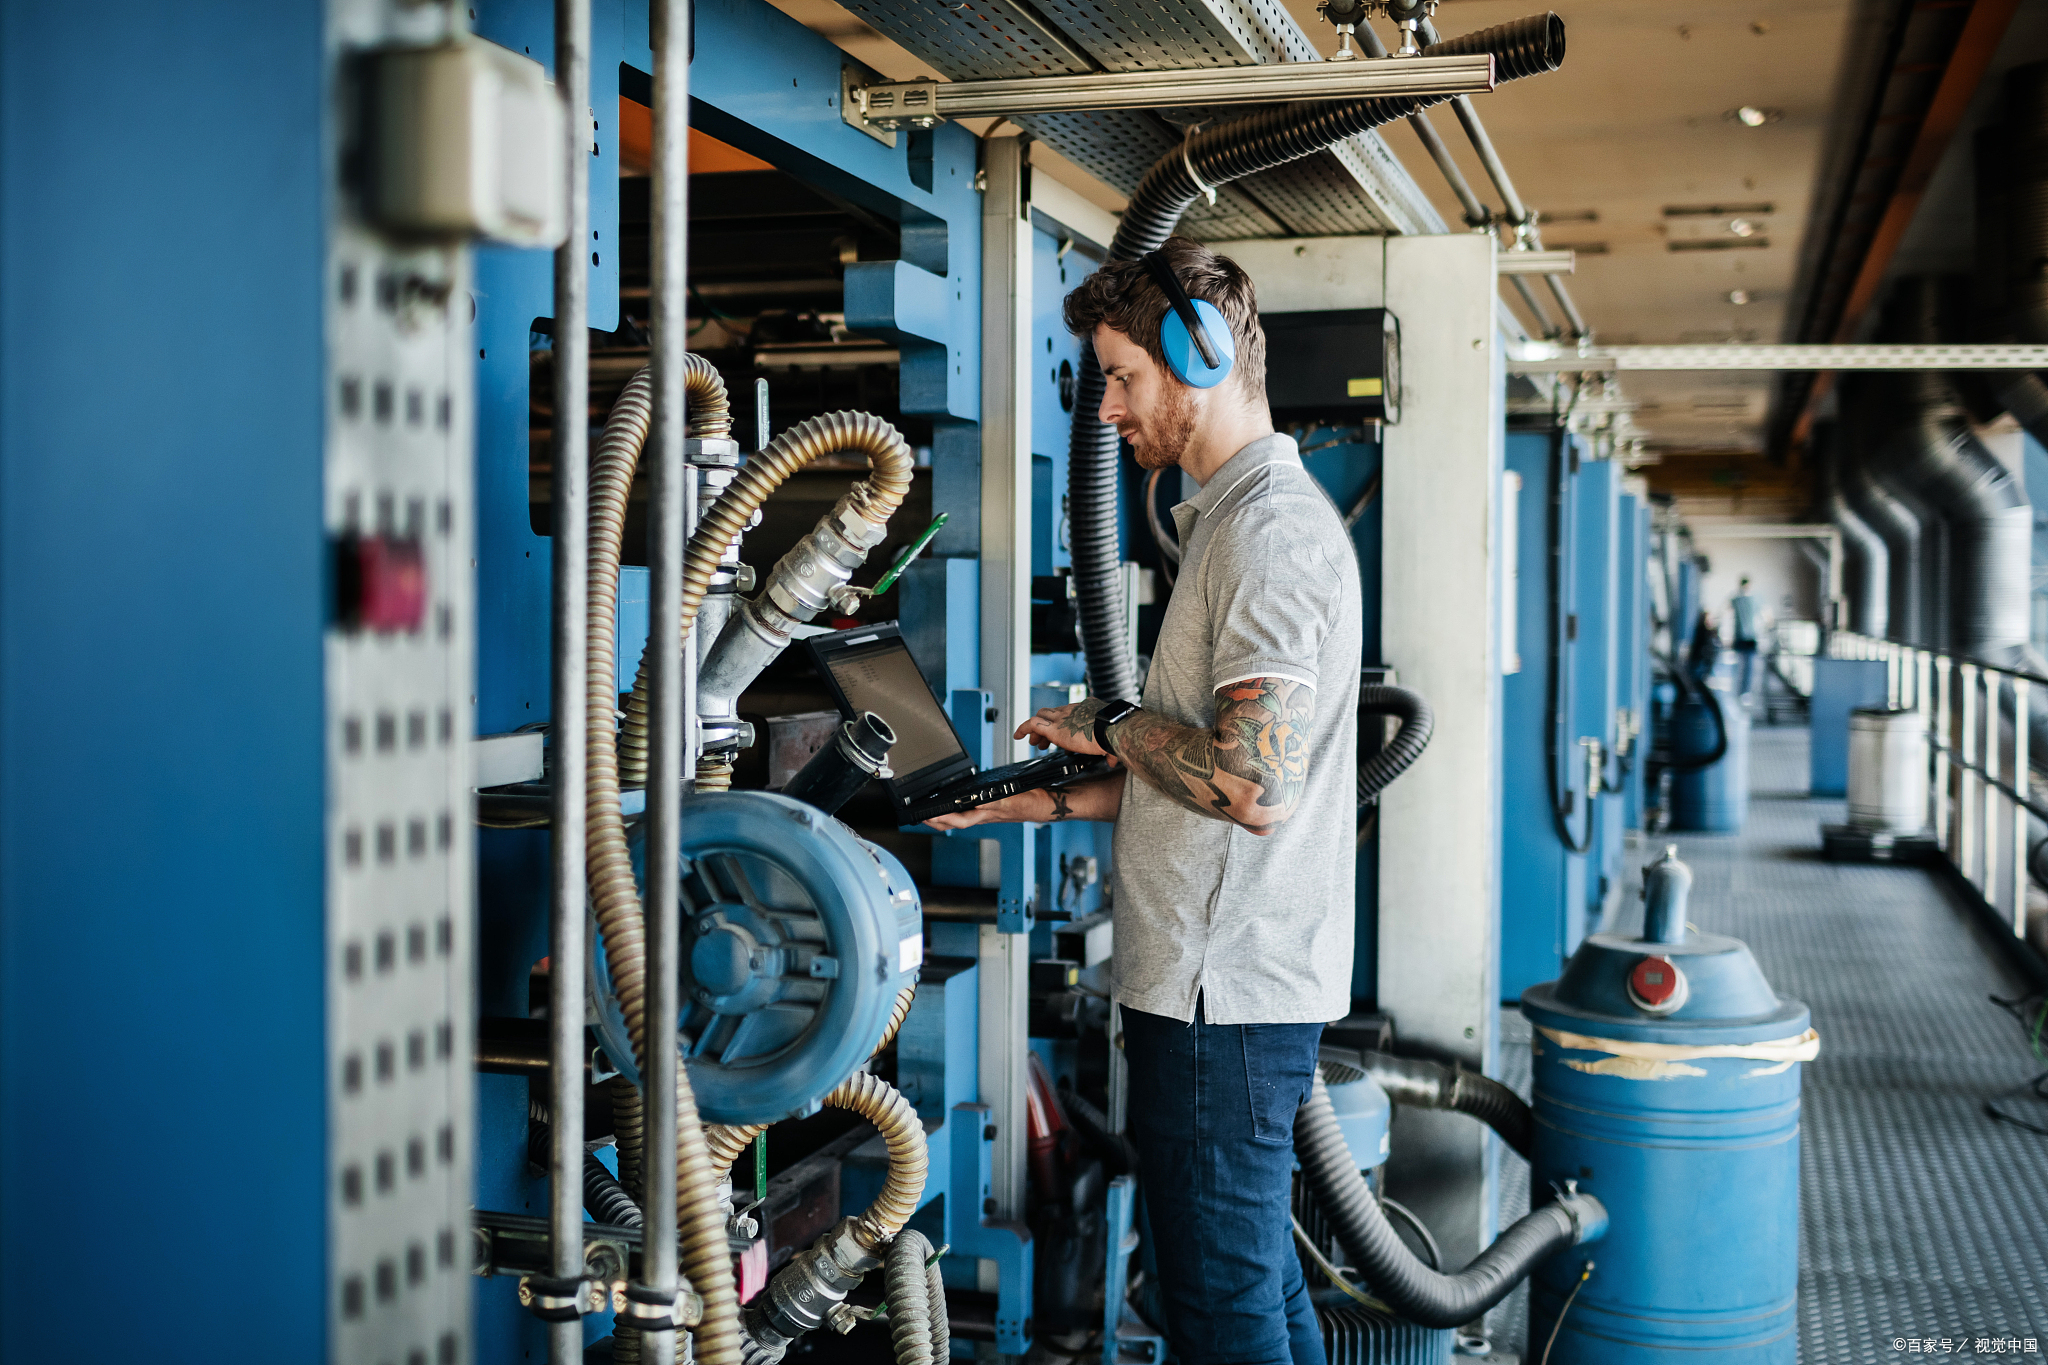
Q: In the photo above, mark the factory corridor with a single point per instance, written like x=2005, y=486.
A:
x=1922, y=1217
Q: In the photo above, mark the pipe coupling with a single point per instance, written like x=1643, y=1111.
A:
x=1588, y=1215
x=803, y=1294
x=799, y=587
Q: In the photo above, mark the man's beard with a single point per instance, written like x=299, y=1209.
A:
x=1171, y=431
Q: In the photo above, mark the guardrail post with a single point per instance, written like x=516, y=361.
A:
x=2022, y=782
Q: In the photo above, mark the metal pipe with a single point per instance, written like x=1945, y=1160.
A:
x=567, y=904
x=672, y=674
x=1517, y=211
x=1543, y=322
x=1571, y=310
x=1476, y=214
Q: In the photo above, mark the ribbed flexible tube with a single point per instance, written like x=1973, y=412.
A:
x=907, y=1283
x=605, y=1196
x=1258, y=142
x=875, y=497
x=881, y=1104
x=725, y=1142
x=1432, y=1085
x=897, y=1014
x=616, y=898
x=1388, y=1268
x=629, y=1130
x=1417, y=723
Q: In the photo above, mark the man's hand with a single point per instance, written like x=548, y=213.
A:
x=1069, y=727
x=1096, y=800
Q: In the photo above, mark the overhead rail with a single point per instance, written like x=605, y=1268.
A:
x=887, y=106
x=1535, y=262
x=1540, y=359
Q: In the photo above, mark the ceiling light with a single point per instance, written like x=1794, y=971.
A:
x=1738, y=296
x=1755, y=116
x=1742, y=227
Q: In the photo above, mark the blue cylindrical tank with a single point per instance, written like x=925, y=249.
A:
x=1363, y=1116
x=1713, y=799
x=1667, y=1085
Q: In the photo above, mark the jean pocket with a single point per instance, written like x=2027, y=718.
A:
x=1279, y=1068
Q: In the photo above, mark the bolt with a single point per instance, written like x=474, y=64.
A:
x=1469, y=1032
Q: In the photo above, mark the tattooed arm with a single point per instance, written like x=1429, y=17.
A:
x=1249, y=769
x=1097, y=800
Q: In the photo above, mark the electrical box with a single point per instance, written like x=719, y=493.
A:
x=466, y=139
x=1338, y=367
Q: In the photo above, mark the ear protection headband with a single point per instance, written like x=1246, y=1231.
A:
x=1199, y=347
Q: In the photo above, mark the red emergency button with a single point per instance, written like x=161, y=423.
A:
x=380, y=583
x=1657, y=986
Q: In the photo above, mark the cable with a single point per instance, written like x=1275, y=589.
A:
x=1169, y=548
x=1416, y=1225
x=1365, y=500
x=1560, y=814
x=1334, y=1275
x=1584, y=1275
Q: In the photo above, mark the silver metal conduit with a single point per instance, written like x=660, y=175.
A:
x=673, y=669
x=1517, y=212
x=1476, y=214
x=567, y=913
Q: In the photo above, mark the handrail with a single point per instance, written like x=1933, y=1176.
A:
x=1974, y=760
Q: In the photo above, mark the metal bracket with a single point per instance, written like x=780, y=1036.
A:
x=888, y=105
x=852, y=111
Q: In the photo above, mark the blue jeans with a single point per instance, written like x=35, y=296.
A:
x=1212, y=1116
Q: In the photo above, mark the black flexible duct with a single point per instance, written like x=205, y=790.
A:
x=1258, y=142
x=1866, y=576
x=1894, y=523
x=1417, y=722
x=1432, y=1085
x=1934, y=451
x=1392, y=1271
x=606, y=1198
x=1693, y=690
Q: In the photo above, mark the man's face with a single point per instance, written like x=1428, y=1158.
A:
x=1144, y=402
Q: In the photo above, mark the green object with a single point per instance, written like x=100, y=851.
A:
x=761, y=1168
x=910, y=552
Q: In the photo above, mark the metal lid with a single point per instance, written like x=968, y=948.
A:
x=1673, y=984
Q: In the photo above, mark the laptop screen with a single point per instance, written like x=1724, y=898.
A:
x=882, y=677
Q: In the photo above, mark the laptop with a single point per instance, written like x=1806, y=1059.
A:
x=869, y=668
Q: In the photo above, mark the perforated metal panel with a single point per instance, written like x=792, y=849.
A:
x=399, y=842
x=1357, y=187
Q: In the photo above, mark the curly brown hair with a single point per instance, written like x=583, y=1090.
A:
x=1127, y=299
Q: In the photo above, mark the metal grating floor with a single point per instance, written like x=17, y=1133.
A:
x=1920, y=1216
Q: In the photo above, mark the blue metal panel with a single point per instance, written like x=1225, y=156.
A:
x=1542, y=882
x=1596, y=606
x=1839, y=687
x=1346, y=471
x=1632, y=646
x=162, y=1056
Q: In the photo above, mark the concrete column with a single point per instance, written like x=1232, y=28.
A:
x=1439, y=828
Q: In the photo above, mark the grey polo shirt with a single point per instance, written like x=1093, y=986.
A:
x=1260, y=926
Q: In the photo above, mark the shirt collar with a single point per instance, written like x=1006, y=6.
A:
x=1278, y=448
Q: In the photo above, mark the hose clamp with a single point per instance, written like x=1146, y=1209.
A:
x=553, y=1298
x=1188, y=161
x=647, y=1309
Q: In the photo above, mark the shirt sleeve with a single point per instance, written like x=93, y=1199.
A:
x=1274, y=595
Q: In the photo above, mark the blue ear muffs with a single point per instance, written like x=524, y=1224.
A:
x=1199, y=347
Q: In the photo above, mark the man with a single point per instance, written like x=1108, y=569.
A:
x=1235, y=842
x=1742, y=607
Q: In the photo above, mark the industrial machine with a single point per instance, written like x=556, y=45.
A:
x=568, y=986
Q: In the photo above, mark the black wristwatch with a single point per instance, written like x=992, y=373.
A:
x=1112, y=711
